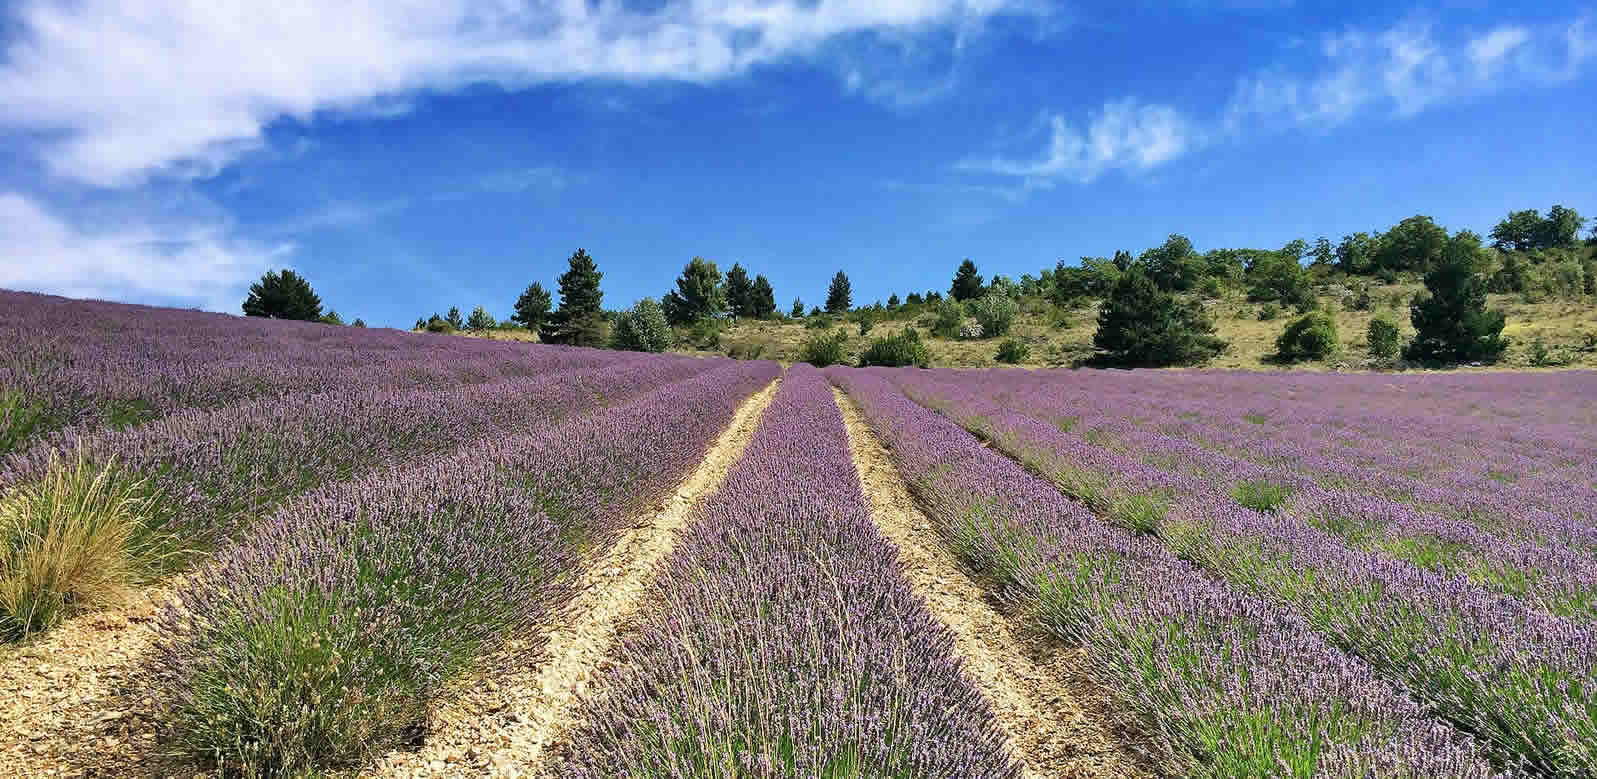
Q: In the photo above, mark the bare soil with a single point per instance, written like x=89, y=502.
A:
x=503, y=726
x=1057, y=721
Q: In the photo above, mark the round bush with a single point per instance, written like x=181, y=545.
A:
x=1383, y=339
x=1013, y=351
x=1309, y=337
x=996, y=313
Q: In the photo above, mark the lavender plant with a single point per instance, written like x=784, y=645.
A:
x=324, y=634
x=783, y=639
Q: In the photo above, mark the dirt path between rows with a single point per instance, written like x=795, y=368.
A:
x=503, y=726
x=69, y=705
x=1055, y=722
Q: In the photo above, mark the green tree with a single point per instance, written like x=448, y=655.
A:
x=532, y=308
x=739, y=292
x=1451, y=321
x=1173, y=265
x=331, y=318
x=840, y=295
x=580, y=320
x=642, y=328
x=1280, y=276
x=913, y=299
x=764, y=298
x=1415, y=244
x=421, y=324
x=698, y=294
x=1324, y=256
x=480, y=320
x=1309, y=337
x=798, y=309
x=996, y=312
x=1560, y=228
x=967, y=282
x=1140, y=324
x=358, y=322
x=892, y=301
x=1518, y=231
x=453, y=318
x=1383, y=339
x=285, y=295
x=1356, y=253
x=437, y=324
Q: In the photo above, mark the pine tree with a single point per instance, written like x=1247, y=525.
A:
x=840, y=295
x=285, y=295
x=892, y=300
x=739, y=292
x=421, y=324
x=1142, y=325
x=967, y=282
x=797, y=310
x=480, y=319
x=532, y=308
x=1451, y=321
x=454, y=320
x=764, y=298
x=580, y=320
x=698, y=294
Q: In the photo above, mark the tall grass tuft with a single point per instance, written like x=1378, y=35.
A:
x=73, y=541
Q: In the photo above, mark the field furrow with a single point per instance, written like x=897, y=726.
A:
x=506, y=722
x=782, y=639
x=1058, y=724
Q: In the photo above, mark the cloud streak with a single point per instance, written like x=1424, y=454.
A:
x=180, y=264
x=115, y=90
x=1398, y=72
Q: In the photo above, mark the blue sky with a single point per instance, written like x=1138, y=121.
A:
x=410, y=155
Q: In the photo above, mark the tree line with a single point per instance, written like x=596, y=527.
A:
x=1150, y=309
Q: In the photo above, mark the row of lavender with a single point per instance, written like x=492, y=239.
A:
x=1514, y=451
x=1511, y=670
x=321, y=637
x=92, y=364
x=202, y=476
x=1225, y=682
x=1548, y=560
x=782, y=638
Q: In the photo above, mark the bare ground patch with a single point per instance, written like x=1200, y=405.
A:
x=69, y=701
x=1058, y=724
x=504, y=725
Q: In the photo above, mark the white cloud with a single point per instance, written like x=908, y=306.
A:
x=1400, y=71
x=1124, y=135
x=1405, y=70
x=186, y=265
x=124, y=88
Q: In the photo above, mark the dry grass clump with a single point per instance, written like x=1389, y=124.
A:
x=74, y=541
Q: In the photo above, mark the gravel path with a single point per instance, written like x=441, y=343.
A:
x=503, y=726
x=1055, y=719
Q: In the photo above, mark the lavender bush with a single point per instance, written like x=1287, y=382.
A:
x=1520, y=678
x=783, y=639
x=1229, y=684
x=323, y=635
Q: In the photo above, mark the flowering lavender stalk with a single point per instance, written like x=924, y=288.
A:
x=210, y=471
x=322, y=637
x=1228, y=683
x=1522, y=680
x=783, y=639
x=91, y=364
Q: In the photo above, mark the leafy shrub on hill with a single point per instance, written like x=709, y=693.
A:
x=438, y=324
x=996, y=312
x=642, y=328
x=1309, y=337
x=818, y=322
x=1383, y=339
x=947, y=320
x=896, y=351
x=1268, y=312
x=825, y=349
x=1013, y=351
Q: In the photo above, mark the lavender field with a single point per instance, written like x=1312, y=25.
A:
x=235, y=547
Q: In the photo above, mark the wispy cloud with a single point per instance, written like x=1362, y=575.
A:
x=178, y=264
x=1123, y=135
x=1398, y=72
x=196, y=83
